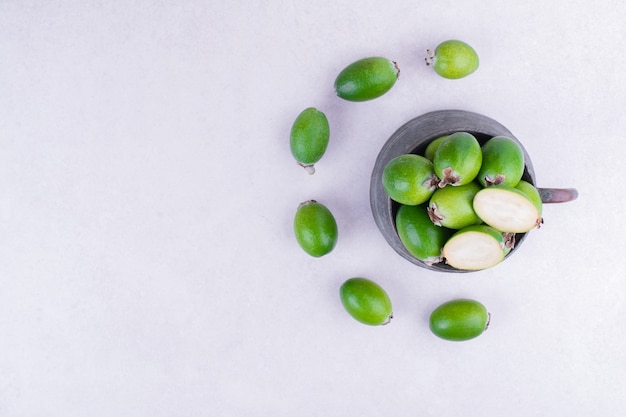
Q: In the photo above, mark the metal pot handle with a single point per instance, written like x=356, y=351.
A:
x=557, y=195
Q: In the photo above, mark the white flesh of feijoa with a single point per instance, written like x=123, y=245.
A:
x=506, y=210
x=473, y=251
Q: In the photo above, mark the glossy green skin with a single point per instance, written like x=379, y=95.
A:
x=309, y=136
x=409, y=179
x=459, y=320
x=452, y=207
x=503, y=162
x=315, y=228
x=366, y=301
x=455, y=59
x=459, y=153
x=429, y=153
x=532, y=193
x=419, y=235
x=483, y=228
x=366, y=79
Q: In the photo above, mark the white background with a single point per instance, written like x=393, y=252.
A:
x=147, y=260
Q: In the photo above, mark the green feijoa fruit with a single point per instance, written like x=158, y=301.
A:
x=503, y=162
x=315, y=228
x=366, y=79
x=409, y=179
x=309, y=138
x=453, y=59
x=429, y=153
x=474, y=248
x=507, y=209
x=452, y=207
x=419, y=235
x=458, y=159
x=366, y=301
x=459, y=320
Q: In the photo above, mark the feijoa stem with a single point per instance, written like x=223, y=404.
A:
x=430, y=57
x=509, y=240
x=310, y=169
x=395, y=64
x=304, y=203
x=434, y=214
x=432, y=183
x=433, y=260
x=449, y=177
x=388, y=320
x=499, y=179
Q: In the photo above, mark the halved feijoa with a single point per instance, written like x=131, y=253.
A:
x=315, y=228
x=459, y=320
x=419, y=235
x=366, y=79
x=457, y=160
x=309, y=138
x=366, y=301
x=503, y=162
x=452, y=207
x=507, y=209
x=409, y=179
x=431, y=148
x=474, y=248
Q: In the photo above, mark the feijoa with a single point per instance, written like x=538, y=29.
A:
x=366, y=79
x=474, y=248
x=459, y=320
x=419, y=235
x=315, y=228
x=458, y=159
x=429, y=153
x=507, y=209
x=366, y=301
x=309, y=138
x=453, y=59
x=453, y=207
x=503, y=162
x=409, y=179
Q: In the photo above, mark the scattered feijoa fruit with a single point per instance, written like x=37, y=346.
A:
x=474, y=248
x=366, y=79
x=503, y=162
x=453, y=59
x=419, y=235
x=459, y=320
x=458, y=159
x=409, y=179
x=366, y=301
x=507, y=209
x=315, y=228
x=309, y=138
x=453, y=207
